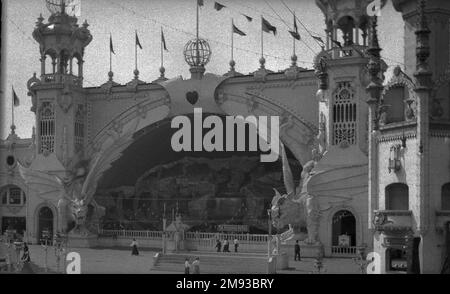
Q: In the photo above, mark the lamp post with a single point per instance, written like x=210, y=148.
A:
x=360, y=260
x=60, y=243
x=44, y=243
x=269, y=237
x=18, y=247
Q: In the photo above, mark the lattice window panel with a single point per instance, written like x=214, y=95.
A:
x=79, y=128
x=47, y=128
x=344, y=114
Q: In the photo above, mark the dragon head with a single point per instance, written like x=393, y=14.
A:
x=79, y=211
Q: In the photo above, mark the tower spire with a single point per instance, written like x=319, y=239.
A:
x=422, y=73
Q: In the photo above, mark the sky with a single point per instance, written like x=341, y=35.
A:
x=121, y=18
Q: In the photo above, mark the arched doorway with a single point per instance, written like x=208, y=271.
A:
x=344, y=229
x=45, y=221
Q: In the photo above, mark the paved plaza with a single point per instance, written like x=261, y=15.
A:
x=120, y=261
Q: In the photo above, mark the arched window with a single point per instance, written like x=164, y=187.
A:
x=397, y=197
x=47, y=128
x=12, y=195
x=445, y=197
x=344, y=114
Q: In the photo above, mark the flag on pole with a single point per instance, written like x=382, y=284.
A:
x=248, y=17
x=163, y=40
x=200, y=2
x=267, y=27
x=238, y=31
x=137, y=41
x=295, y=33
x=319, y=39
x=111, y=47
x=218, y=6
x=16, y=101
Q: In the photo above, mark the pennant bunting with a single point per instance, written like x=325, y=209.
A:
x=267, y=27
x=238, y=31
x=218, y=6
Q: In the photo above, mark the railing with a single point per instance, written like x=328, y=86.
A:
x=132, y=234
x=344, y=250
x=247, y=238
x=61, y=78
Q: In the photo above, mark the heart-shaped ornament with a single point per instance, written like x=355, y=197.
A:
x=192, y=97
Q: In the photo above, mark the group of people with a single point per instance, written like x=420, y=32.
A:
x=226, y=245
x=24, y=260
x=195, y=266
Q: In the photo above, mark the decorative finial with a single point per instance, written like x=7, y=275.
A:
x=85, y=24
x=110, y=75
x=136, y=74
x=162, y=70
x=262, y=62
x=294, y=60
x=232, y=65
x=13, y=129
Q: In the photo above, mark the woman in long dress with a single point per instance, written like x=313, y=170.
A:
x=196, y=266
x=134, y=249
x=26, y=269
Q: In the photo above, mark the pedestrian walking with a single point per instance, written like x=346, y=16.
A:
x=236, y=245
x=26, y=260
x=226, y=246
x=218, y=245
x=134, y=247
x=187, y=266
x=196, y=266
x=297, y=251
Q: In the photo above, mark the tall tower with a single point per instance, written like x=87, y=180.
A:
x=438, y=15
x=342, y=72
x=57, y=95
x=410, y=197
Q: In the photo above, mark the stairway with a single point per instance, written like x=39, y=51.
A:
x=210, y=263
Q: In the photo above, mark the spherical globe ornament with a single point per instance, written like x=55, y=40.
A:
x=197, y=52
x=56, y=6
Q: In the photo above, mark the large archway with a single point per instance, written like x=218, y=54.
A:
x=343, y=229
x=45, y=222
x=207, y=188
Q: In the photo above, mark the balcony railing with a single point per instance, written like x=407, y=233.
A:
x=61, y=78
x=393, y=220
x=344, y=250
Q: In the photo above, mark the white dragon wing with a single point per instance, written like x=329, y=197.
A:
x=287, y=174
x=110, y=151
x=338, y=185
x=47, y=186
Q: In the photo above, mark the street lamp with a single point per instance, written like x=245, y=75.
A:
x=361, y=259
x=269, y=237
x=45, y=238
x=60, y=242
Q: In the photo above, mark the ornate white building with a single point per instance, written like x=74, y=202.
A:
x=120, y=135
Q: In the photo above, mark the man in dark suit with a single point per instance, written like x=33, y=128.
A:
x=297, y=251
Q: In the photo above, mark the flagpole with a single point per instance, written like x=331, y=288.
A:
x=162, y=53
x=198, y=21
x=232, y=39
x=262, y=40
x=135, y=50
x=293, y=39
x=110, y=53
x=12, y=106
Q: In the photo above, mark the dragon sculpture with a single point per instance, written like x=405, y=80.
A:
x=318, y=191
x=77, y=210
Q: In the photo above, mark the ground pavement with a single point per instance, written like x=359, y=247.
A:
x=120, y=261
